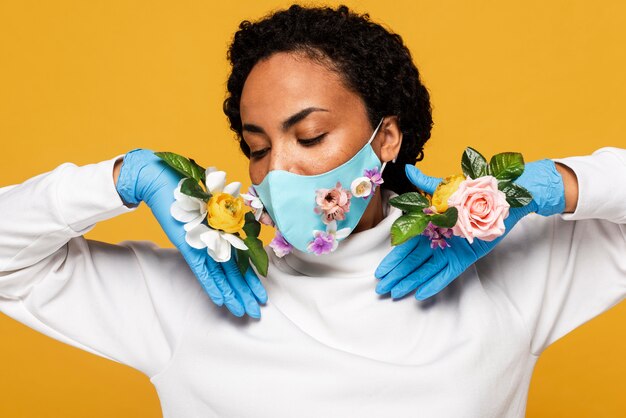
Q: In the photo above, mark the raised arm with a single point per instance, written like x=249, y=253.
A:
x=125, y=302
x=560, y=272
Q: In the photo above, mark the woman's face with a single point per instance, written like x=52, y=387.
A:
x=298, y=116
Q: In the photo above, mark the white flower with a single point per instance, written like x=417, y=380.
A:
x=192, y=211
x=216, y=242
x=331, y=228
x=361, y=187
x=215, y=181
x=188, y=209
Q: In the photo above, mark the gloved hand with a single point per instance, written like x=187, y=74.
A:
x=414, y=263
x=145, y=177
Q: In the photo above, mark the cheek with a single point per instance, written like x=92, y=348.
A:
x=331, y=155
x=256, y=172
x=257, y=169
x=318, y=160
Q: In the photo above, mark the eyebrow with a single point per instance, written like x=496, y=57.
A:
x=287, y=123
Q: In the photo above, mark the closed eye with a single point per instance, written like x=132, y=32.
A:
x=312, y=141
x=258, y=154
x=307, y=142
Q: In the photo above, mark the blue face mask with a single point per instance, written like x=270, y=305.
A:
x=313, y=213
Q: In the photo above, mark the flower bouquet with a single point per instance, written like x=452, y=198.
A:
x=470, y=205
x=213, y=214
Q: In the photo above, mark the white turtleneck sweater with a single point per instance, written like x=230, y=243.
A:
x=326, y=345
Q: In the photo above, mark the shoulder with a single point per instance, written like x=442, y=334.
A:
x=163, y=269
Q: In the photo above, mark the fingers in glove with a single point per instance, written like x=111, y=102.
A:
x=196, y=261
x=411, y=263
x=437, y=283
x=421, y=180
x=256, y=286
x=254, y=283
x=396, y=255
x=244, y=294
x=421, y=275
x=230, y=298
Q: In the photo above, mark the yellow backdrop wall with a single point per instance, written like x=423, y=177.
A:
x=84, y=81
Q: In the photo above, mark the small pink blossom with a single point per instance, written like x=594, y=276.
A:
x=481, y=207
x=280, y=245
x=265, y=219
x=333, y=203
x=252, y=199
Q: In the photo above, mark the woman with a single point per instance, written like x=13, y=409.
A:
x=327, y=344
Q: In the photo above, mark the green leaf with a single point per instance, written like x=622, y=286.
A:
x=473, y=163
x=182, y=164
x=516, y=195
x=447, y=219
x=198, y=168
x=243, y=261
x=252, y=227
x=257, y=254
x=408, y=226
x=507, y=166
x=409, y=202
x=190, y=187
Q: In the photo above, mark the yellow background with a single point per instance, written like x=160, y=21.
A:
x=83, y=81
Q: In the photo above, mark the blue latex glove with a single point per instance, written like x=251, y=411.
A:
x=145, y=177
x=414, y=263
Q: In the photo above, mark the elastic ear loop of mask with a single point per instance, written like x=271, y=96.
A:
x=382, y=167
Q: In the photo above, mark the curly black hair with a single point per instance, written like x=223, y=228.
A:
x=372, y=61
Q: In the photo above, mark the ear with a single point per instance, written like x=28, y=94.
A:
x=391, y=138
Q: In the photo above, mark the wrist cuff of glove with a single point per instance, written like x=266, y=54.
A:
x=554, y=198
x=127, y=180
x=545, y=183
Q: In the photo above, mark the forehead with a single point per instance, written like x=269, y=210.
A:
x=287, y=81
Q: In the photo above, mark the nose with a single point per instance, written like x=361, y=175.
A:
x=276, y=159
x=281, y=158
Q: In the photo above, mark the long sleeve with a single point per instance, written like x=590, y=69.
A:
x=125, y=302
x=559, y=272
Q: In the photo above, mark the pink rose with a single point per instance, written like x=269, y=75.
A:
x=482, y=209
x=332, y=203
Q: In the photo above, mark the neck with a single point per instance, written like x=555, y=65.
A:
x=373, y=214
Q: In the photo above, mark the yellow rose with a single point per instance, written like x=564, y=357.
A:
x=226, y=212
x=444, y=190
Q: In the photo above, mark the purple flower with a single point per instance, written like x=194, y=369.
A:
x=435, y=233
x=322, y=242
x=375, y=177
x=280, y=245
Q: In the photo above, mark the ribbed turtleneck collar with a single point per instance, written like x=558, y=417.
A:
x=357, y=255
